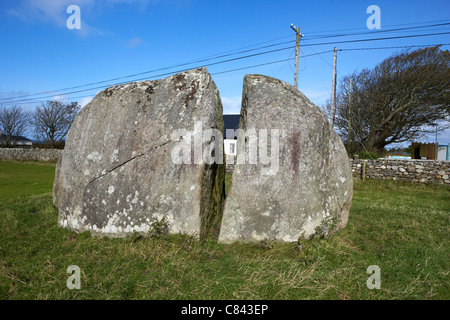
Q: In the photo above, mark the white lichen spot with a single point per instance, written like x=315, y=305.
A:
x=111, y=190
x=104, y=202
x=114, y=156
x=192, y=187
x=258, y=237
x=95, y=156
x=135, y=199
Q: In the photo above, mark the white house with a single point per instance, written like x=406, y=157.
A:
x=16, y=141
x=231, y=124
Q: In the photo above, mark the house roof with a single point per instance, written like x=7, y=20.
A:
x=231, y=122
x=15, y=138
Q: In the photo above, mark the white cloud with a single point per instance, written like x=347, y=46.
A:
x=62, y=99
x=231, y=105
x=46, y=10
x=54, y=11
x=84, y=101
x=316, y=96
x=132, y=43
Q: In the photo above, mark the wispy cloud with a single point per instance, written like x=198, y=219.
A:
x=141, y=5
x=84, y=101
x=316, y=96
x=231, y=105
x=54, y=11
x=135, y=42
x=12, y=94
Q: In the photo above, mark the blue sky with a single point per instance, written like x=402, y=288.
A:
x=38, y=53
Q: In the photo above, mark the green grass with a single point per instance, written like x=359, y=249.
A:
x=401, y=227
x=19, y=179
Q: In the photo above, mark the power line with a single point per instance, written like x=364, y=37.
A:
x=268, y=63
x=275, y=62
x=146, y=72
x=385, y=26
x=159, y=75
x=397, y=47
x=211, y=58
x=378, y=39
x=379, y=48
x=379, y=31
x=34, y=101
x=58, y=92
x=215, y=73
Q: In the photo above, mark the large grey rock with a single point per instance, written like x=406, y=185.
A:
x=118, y=175
x=303, y=187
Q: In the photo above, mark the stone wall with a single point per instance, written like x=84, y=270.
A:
x=421, y=171
x=30, y=154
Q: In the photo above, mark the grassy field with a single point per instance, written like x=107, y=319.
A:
x=401, y=227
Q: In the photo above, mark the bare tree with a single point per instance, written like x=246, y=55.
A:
x=13, y=122
x=52, y=121
x=397, y=100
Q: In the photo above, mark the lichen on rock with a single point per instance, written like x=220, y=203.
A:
x=116, y=175
x=307, y=184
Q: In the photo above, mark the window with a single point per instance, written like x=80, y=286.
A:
x=232, y=148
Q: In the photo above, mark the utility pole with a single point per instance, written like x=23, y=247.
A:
x=297, y=52
x=333, y=94
x=350, y=115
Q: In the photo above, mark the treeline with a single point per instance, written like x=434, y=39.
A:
x=49, y=123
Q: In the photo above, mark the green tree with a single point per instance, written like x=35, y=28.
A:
x=396, y=101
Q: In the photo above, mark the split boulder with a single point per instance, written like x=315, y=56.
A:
x=292, y=176
x=121, y=172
